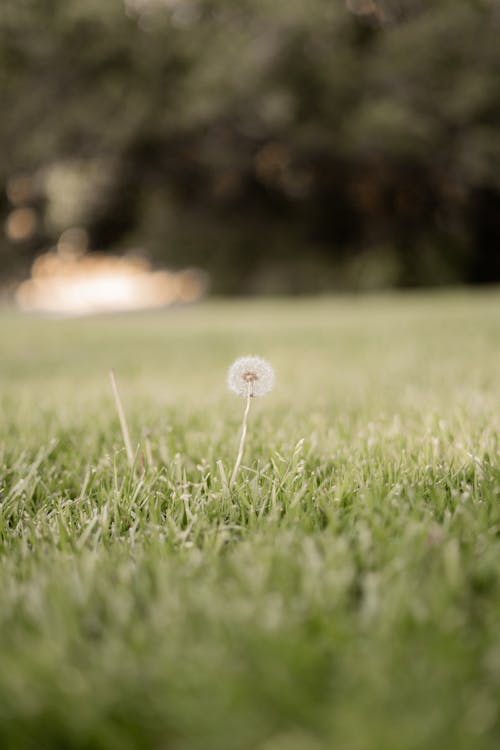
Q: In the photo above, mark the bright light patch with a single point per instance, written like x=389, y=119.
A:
x=65, y=283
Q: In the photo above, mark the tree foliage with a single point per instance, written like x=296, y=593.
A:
x=282, y=145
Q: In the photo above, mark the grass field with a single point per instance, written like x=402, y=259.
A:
x=344, y=594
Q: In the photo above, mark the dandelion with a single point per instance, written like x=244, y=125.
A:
x=248, y=377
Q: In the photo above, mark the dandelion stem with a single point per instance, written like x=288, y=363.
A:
x=243, y=436
x=121, y=417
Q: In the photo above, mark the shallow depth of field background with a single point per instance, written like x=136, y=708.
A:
x=187, y=181
x=277, y=145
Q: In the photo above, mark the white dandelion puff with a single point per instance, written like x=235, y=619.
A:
x=248, y=377
x=252, y=376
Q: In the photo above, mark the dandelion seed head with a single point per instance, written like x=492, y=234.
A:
x=252, y=374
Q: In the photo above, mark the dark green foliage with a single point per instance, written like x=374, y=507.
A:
x=282, y=145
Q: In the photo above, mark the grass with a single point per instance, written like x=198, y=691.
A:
x=344, y=594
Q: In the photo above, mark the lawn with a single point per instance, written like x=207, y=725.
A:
x=344, y=593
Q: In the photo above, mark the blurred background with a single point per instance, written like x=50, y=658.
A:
x=153, y=148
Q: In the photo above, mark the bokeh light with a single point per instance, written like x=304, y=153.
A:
x=71, y=281
x=21, y=224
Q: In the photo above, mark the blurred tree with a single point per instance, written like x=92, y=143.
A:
x=282, y=145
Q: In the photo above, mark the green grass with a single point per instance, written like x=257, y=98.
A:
x=345, y=594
